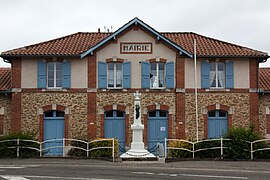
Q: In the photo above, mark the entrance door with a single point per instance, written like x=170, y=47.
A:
x=114, y=127
x=217, y=124
x=53, y=129
x=157, y=128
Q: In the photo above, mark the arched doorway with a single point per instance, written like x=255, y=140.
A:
x=53, y=129
x=157, y=128
x=217, y=123
x=114, y=127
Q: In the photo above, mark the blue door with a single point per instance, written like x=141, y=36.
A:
x=217, y=124
x=53, y=129
x=157, y=128
x=114, y=127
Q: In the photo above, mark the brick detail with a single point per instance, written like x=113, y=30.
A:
x=180, y=115
x=92, y=71
x=16, y=113
x=1, y=124
x=16, y=73
x=267, y=120
x=254, y=110
x=91, y=116
x=253, y=73
x=180, y=73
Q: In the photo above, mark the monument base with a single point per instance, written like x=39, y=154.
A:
x=137, y=153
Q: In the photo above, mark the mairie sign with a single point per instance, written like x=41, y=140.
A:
x=136, y=48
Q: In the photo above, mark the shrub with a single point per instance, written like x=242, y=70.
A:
x=209, y=153
x=178, y=153
x=9, y=148
x=239, y=144
x=95, y=153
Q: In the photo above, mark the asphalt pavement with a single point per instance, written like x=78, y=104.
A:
x=89, y=169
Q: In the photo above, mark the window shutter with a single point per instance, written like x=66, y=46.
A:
x=126, y=75
x=42, y=74
x=66, y=74
x=205, y=74
x=102, y=75
x=170, y=75
x=229, y=75
x=145, y=74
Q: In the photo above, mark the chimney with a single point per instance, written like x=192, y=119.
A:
x=98, y=30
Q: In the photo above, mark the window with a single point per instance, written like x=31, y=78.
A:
x=54, y=74
x=217, y=75
x=115, y=75
x=157, y=75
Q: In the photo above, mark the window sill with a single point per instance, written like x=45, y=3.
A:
x=218, y=89
x=54, y=89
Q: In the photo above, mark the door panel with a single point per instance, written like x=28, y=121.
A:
x=217, y=124
x=114, y=127
x=157, y=128
x=53, y=129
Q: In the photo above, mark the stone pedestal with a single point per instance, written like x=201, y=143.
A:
x=137, y=146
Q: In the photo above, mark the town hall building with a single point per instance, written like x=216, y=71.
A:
x=82, y=85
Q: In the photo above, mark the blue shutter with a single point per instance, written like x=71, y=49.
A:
x=205, y=74
x=42, y=74
x=229, y=75
x=66, y=74
x=126, y=75
x=170, y=75
x=102, y=75
x=145, y=74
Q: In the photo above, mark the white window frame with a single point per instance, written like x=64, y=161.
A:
x=157, y=69
x=217, y=76
x=54, y=76
x=114, y=76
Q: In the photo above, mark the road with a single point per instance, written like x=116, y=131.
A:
x=81, y=169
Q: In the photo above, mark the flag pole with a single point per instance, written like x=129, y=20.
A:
x=196, y=91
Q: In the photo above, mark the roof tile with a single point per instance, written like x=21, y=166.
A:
x=5, y=79
x=264, y=79
x=77, y=43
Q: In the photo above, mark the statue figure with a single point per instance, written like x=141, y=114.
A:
x=137, y=108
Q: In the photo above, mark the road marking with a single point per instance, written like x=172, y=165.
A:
x=191, y=175
x=14, y=177
x=17, y=167
x=212, y=176
x=59, y=177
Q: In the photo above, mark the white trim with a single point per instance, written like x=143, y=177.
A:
x=114, y=76
x=54, y=75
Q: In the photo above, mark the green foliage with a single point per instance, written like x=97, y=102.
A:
x=94, y=153
x=209, y=153
x=179, y=153
x=239, y=144
x=8, y=145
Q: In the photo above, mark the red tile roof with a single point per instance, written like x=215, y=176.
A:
x=207, y=47
x=264, y=79
x=5, y=79
x=76, y=44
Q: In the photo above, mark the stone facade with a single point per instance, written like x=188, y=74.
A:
x=5, y=102
x=76, y=102
x=237, y=102
x=126, y=99
x=264, y=104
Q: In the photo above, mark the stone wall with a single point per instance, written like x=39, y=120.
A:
x=237, y=102
x=127, y=99
x=264, y=103
x=77, y=119
x=5, y=101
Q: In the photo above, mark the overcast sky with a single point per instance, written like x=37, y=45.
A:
x=243, y=22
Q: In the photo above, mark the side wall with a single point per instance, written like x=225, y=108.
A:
x=5, y=113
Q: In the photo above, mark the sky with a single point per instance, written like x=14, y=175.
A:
x=242, y=22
